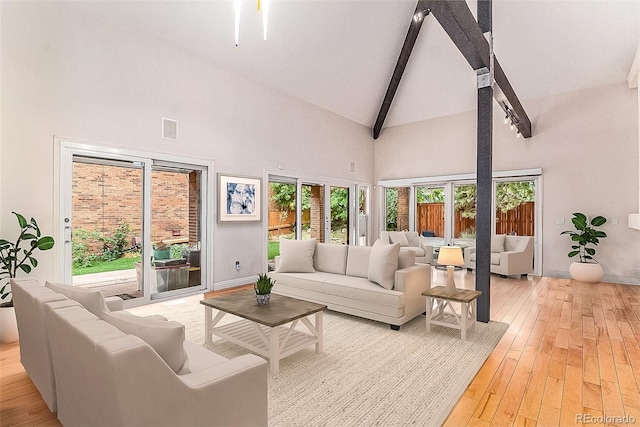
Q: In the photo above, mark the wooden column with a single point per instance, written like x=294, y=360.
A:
x=484, y=172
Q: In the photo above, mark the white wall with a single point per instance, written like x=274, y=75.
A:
x=76, y=77
x=586, y=142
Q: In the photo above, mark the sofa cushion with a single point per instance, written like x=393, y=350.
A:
x=495, y=258
x=398, y=237
x=358, y=261
x=413, y=238
x=415, y=250
x=90, y=299
x=360, y=289
x=311, y=281
x=497, y=243
x=166, y=337
x=383, y=263
x=330, y=258
x=296, y=256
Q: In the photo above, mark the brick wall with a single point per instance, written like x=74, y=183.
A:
x=317, y=213
x=105, y=196
x=403, y=208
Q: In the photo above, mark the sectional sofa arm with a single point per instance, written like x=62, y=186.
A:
x=249, y=366
x=114, y=303
x=144, y=391
x=412, y=279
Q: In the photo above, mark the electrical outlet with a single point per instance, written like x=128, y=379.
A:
x=559, y=221
x=237, y=265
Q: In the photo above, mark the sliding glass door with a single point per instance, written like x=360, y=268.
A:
x=131, y=225
x=106, y=225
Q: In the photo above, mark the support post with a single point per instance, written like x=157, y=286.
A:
x=484, y=170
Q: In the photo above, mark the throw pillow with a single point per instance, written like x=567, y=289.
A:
x=398, y=237
x=497, y=243
x=166, y=337
x=413, y=238
x=90, y=299
x=296, y=256
x=383, y=263
x=330, y=258
x=358, y=261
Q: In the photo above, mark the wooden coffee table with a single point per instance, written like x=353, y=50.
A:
x=261, y=328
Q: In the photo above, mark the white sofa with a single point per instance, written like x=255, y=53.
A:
x=102, y=376
x=339, y=276
x=410, y=241
x=510, y=255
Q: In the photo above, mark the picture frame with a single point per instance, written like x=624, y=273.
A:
x=239, y=198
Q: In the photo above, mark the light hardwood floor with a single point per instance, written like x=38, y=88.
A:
x=571, y=349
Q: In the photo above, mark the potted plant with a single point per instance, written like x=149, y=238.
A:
x=14, y=258
x=161, y=251
x=262, y=288
x=586, y=269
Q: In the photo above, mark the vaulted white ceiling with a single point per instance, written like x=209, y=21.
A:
x=339, y=55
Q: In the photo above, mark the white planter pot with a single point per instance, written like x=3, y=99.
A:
x=586, y=272
x=8, y=325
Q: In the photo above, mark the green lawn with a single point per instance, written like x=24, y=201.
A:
x=104, y=266
x=273, y=250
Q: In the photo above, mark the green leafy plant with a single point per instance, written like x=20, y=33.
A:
x=263, y=284
x=14, y=258
x=585, y=234
x=113, y=245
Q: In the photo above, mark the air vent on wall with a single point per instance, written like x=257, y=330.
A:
x=352, y=167
x=169, y=129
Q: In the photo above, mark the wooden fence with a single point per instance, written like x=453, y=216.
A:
x=520, y=221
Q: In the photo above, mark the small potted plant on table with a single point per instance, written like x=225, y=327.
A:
x=262, y=288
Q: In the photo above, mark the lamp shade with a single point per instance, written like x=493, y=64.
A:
x=450, y=255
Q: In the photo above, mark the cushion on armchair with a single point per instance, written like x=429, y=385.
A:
x=398, y=237
x=497, y=243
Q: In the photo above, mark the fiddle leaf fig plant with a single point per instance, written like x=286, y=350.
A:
x=585, y=234
x=18, y=256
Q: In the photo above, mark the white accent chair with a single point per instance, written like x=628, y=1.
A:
x=510, y=255
x=410, y=241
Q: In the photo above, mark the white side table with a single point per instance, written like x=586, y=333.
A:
x=437, y=316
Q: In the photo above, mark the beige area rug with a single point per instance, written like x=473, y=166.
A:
x=367, y=375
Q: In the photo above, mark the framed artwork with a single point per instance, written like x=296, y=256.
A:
x=239, y=198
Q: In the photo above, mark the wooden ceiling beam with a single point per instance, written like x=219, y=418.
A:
x=458, y=22
x=417, y=19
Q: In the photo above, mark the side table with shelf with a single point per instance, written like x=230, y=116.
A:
x=437, y=315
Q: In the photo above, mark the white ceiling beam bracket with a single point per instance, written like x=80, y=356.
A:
x=483, y=77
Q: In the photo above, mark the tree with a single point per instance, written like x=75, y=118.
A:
x=510, y=195
x=339, y=207
x=430, y=195
x=465, y=200
x=391, y=195
x=284, y=195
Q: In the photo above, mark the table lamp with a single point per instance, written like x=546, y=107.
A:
x=450, y=256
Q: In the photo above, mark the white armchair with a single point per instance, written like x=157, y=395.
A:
x=510, y=255
x=410, y=241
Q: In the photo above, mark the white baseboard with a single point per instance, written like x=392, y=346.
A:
x=226, y=284
x=608, y=279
